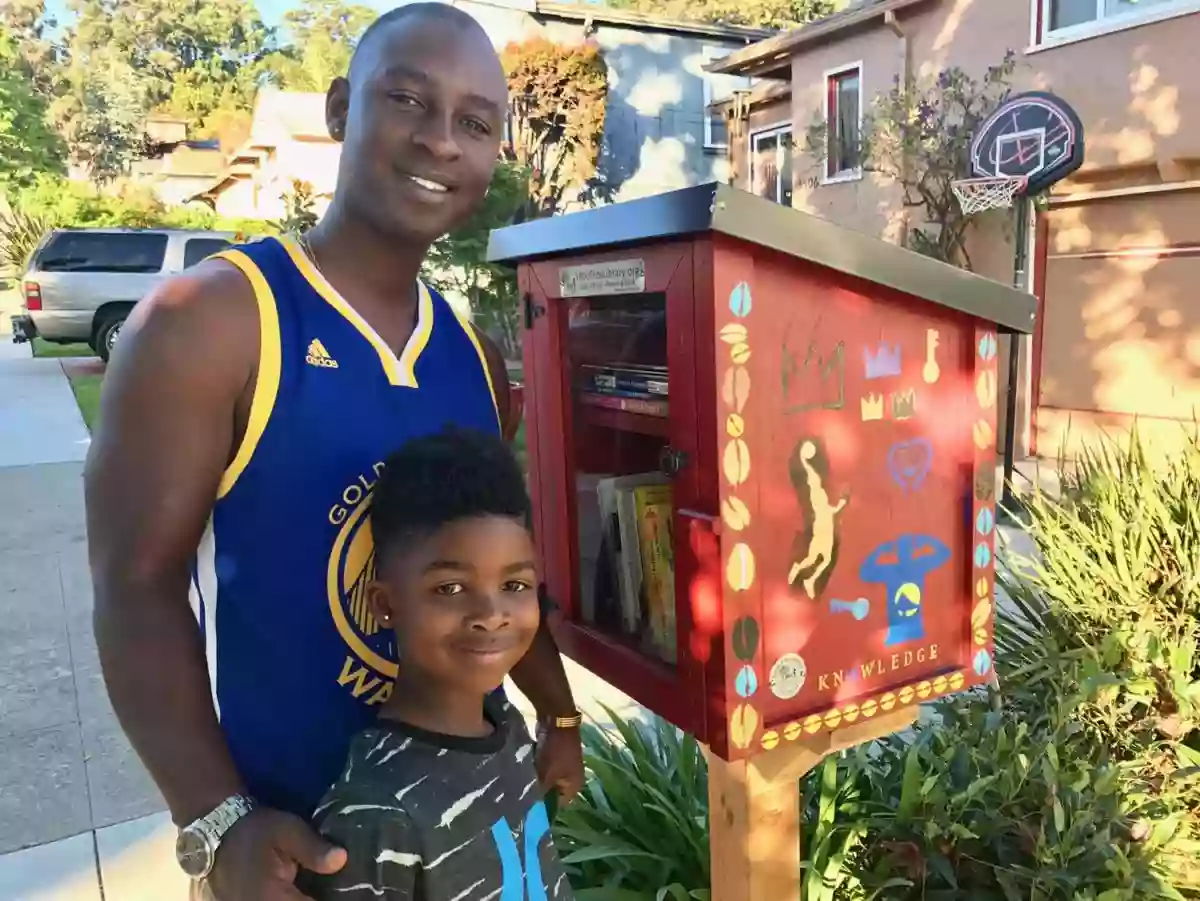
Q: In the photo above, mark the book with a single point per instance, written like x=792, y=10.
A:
x=626, y=404
x=619, y=515
x=654, y=509
x=625, y=381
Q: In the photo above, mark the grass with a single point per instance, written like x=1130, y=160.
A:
x=87, y=395
x=43, y=348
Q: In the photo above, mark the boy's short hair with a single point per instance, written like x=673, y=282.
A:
x=440, y=478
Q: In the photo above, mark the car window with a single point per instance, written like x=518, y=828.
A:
x=103, y=252
x=197, y=249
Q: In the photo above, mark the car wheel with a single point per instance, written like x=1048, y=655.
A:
x=107, y=334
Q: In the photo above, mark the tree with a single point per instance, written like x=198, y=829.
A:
x=324, y=34
x=28, y=144
x=753, y=13
x=37, y=57
x=457, y=262
x=919, y=135
x=557, y=97
x=299, y=209
x=127, y=58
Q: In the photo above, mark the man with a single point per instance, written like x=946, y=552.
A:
x=243, y=424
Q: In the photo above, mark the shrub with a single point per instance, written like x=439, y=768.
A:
x=20, y=233
x=639, y=829
x=1110, y=609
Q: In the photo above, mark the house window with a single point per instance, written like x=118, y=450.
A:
x=843, y=118
x=1077, y=18
x=717, y=88
x=771, y=164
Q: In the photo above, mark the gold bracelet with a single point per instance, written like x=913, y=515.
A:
x=567, y=722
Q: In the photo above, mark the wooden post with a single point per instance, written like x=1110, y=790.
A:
x=754, y=811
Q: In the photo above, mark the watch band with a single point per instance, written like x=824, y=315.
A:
x=199, y=841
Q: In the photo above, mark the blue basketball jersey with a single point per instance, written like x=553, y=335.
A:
x=296, y=661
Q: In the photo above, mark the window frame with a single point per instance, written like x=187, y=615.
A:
x=194, y=239
x=115, y=237
x=1043, y=36
x=830, y=77
x=774, y=130
x=708, y=54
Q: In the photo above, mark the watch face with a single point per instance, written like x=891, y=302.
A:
x=193, y=854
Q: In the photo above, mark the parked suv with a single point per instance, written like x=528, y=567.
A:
x=82, y=283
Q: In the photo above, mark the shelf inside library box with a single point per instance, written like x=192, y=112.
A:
x=625, y=421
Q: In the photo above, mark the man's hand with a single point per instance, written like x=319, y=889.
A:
x=260, y=856
x=560, y=761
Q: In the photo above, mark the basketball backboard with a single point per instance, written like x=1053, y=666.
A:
x=1035, y=135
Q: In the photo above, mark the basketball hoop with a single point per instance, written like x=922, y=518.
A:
x=975, y=195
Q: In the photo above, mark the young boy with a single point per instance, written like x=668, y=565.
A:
x=439, y=801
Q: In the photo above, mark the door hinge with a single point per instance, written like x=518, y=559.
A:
x=532, y=311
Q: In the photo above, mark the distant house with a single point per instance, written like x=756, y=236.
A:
x=659, y=133
x=174, y=167
x=288, y=140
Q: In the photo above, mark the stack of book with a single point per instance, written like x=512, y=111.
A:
x=638, y=547
x=631, y=389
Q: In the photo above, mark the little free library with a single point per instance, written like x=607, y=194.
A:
x=763, y=465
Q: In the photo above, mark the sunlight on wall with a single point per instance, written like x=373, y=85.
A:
x=661, y=167
x=654, y=91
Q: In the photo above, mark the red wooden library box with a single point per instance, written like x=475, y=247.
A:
x=762, y=455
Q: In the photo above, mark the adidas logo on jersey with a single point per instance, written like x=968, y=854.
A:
x=319, y=356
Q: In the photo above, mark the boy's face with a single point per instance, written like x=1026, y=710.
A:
x=463, y=601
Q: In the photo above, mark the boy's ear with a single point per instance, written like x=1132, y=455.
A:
x=380, y=600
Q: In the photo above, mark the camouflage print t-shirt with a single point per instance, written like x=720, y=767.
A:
x=430, y=817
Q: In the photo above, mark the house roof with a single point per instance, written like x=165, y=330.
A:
x=772, y=57
x=602, y=15
x=287, y=115
x=763, y=93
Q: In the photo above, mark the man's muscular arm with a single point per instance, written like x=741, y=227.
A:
x=167, y=430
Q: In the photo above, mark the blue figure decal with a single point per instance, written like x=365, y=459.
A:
x=522, y=883
x=901, y=567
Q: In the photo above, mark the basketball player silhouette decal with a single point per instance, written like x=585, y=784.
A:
x=814, y=553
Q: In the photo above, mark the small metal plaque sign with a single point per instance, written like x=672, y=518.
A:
x=617, y=277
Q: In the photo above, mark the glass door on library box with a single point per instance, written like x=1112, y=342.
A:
x=611, y=430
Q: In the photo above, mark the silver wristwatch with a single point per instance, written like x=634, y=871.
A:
x=196, y=847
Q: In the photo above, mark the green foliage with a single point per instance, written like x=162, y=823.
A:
x=126, y=58
x=324, y=34
x=1113, y=597
x=753, y=13
x=557, y=103
x=20, y=233
x=59, y=203
x=639, y=829
x=300, y=209
x=27, y=143
x=457, y=262
x=919, y=135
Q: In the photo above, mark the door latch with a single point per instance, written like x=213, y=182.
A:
x=532, y=310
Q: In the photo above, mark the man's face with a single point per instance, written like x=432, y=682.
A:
x=422, y=126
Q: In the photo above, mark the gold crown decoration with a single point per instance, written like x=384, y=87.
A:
x=816, y=383
x=904, y=404
x=872, y=407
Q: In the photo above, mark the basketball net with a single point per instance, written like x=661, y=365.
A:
x=975, y=195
